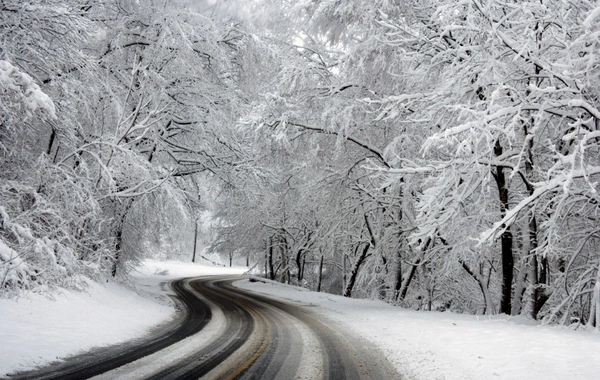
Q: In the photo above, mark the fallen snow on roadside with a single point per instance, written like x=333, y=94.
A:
x=432, y=345
x=36, y=330
x=177, y=269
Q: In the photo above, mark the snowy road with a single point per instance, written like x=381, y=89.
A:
x=233, y=333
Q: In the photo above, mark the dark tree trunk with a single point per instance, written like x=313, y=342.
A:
x=344, y=276
x=398, y=276
x=507, y=272
x=355, y=269
x=538, y=269
x=51, y=141
x=195, y=241
x=118, y=247
x=411, y=272
x=271, y=273
x=299, y=264
x=506, y=240
x=113, y=271
x=285, y=269
x=361, y=258
x=406, y=282
x=320, y=274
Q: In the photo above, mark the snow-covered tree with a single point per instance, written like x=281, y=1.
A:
x=512, y=85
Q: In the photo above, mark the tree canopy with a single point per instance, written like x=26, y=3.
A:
x=434, y=154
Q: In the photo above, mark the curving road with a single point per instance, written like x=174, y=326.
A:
x=229, y=333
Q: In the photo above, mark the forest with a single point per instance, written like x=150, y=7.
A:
x=435, y=154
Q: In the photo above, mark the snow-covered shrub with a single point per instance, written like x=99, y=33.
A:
x=48, y=212
x=46, y=232
x=14, y=270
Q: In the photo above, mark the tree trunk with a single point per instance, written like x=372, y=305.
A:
x=271, y=273
x=266, y=267
x=407, y=280
x=398, y=275
x=115, y=264
x=51, y=141
x=520, y=286
x=344, y=277
x=355, y=268
x=487, y=298
x=195, y=241
x=285, y=270
x=506, y=239
x=538, y=269
x=411, y=272
x=539, y=296
x=119, y=237
x=298, y=260
x=320, y=274
x=399, y=248
x=428, y=285
x=594, y=319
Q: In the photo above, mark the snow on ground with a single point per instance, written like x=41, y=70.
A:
x=423, y=345
x=35, y=330
x=432, y=345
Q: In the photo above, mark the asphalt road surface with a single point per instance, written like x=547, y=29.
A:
x=229, y=333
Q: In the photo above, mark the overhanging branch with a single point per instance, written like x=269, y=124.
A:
x=354, y=140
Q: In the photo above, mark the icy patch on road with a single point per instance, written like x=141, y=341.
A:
x=432, y=345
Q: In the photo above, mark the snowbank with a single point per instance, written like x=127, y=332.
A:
x=432, y=345
x=35, y=330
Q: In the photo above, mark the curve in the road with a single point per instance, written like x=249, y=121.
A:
x=240, y=324
x=260, y=338
x=273, y=348
x=197, y=315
